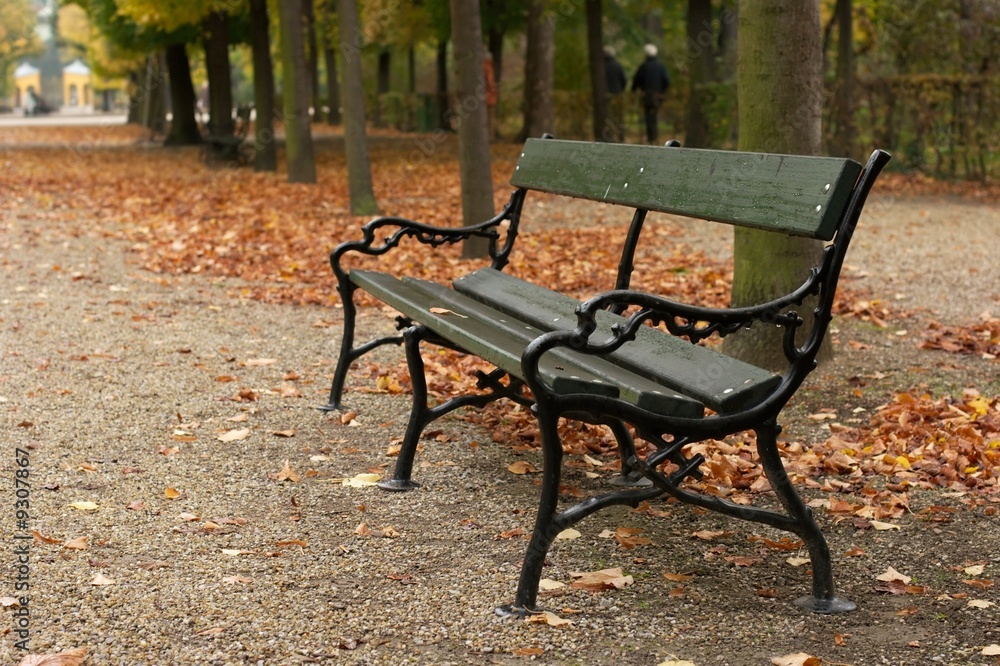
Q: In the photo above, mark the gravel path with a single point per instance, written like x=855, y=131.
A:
x=119, y=384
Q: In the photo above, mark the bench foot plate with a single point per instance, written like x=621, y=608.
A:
x=826, y=606
x=510, y=611
x=634, y=480
x=398, y=485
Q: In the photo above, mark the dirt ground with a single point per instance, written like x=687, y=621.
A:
x=104, y=364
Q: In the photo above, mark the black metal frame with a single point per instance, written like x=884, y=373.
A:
x=668, y=434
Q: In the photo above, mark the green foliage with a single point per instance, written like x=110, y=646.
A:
x=17, y=38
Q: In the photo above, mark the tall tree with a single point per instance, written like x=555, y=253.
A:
x=842, y=112
x=266, y=156
x=359, y=171
x=701, y=57
x=220, y=86
x=296, y=92
x=780, y=91
x=539, y=115
x=473, y=134
x=312, y=52
x=598, y=77
x=327, y=13
x=184, y=127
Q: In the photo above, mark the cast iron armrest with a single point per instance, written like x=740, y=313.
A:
x=394, y=229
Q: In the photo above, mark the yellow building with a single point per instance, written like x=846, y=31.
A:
x=77, y=85
x=28, y=83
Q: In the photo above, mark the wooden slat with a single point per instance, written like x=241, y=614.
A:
x=792, y=194
x=723, y=383
x=501, y=340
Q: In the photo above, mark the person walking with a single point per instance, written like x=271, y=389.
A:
x=653, y=80
x=614, y=75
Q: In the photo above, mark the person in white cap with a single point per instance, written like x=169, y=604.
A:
x=653, y=80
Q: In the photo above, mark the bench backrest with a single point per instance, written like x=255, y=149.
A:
x=792, y=194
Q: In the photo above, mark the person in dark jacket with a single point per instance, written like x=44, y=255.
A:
x=617, y=83
x=653, y=80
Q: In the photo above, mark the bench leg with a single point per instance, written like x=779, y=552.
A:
x=546, y=525
x=348, y=353
x=822, y=599
x=629, y=478
x=419, y=414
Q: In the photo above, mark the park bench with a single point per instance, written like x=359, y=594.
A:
x=608, y=360
x=229, y=148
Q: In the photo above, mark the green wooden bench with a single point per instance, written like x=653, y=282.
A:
x=601, y=361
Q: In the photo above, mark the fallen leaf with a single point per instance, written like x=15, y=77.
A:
x=549, y=618
x=288, y=474
x=284, y=433
x=9, y=602
x=980, y=603
x=891, y=575
x=362, y=480
x=854, y=552
x=84, y=506
x=446, y=311
x=521, y=467
x=79, y=543
x=44, y=539
x=605, y=579
x=72, y=657
x=798, y=561
x=290, y=542
x=678, y=578
x=547, y=585
x=101, y=579
x=884, y=526
x=797, y=659
x=707, y=535
x=975, y=570
x=236, y=579
x=568, y=535
x=980, y=583
x=185, y=516
x=257, y=362
x=234, y=435
x=528, y=652
x=991, y=650
x=239, y=418
x=171, y=493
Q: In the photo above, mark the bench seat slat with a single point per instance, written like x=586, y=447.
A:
x=793, y=194
x=501, y=339
x=723, y=383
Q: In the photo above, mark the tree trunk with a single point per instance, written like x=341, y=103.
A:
x=382, y=84
x=598, y=77
x=539, y=116
x=220, y=87
x=780, y=89
x=184, y=128
x=843, y=99
x=266, y=155
x=441, y=87
x=701, y=56
x=359, y=171
x=298, y=132
x=312, y=54
x=473, y=133
x=330, y=57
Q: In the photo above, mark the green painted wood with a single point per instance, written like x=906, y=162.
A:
x=501, y=340
x=723, y=383
x=793, y=194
